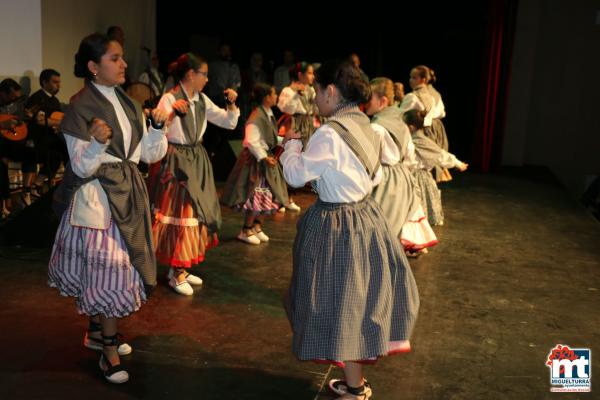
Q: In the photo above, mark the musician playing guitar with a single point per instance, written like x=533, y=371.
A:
x=43, y=128
x=13, y=113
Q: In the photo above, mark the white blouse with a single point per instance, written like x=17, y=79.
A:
x=90, y=204
x=336, y=172
x=412, y=102
x=445, y=160
x=390, y=154
x=290, y=103
x=439, y=110
x=410, y=158
x=224, y=118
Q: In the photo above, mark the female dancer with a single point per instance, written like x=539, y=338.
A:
x=352, y=297
x=425, y=98
x=429, y=155
x=103, y=253
x=297, y=102
x=255, y=184
x=182, y=190
x=398, y=194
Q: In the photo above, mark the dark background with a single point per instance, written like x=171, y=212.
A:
x=446, y=37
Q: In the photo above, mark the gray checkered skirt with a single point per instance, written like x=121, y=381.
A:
x=431, y=197
x=437, y=133
x=396, y=195
x=352, y=291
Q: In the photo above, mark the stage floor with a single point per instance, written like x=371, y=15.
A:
x=516, y=272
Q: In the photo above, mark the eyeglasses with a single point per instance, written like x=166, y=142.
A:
x=204, y=74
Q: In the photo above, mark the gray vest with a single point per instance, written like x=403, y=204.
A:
x=425, y=97
x=266, y=126
x=391, y=119
x=355, y=129
x=88, y=104
x=187, y=121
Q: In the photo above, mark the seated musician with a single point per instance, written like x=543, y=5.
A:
x=12, y=112
x=50, y=149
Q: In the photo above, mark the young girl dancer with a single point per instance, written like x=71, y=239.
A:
x=352, y=297
x=429, y=155
x=425, y=98
x=397, y=194
x=437, y=131
x=255, y=184
x=297, y=102
x=182, y=190
x=103, y=253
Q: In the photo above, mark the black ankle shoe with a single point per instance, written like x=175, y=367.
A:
x=113, y=373
x=340, y=387
x=97, y=344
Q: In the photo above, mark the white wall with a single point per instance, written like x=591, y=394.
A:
x=553, y=116
x=17, y=63
x=62, y=24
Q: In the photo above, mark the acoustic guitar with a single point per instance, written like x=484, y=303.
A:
x=15, y=133
x=56, y=116
x=19, y=130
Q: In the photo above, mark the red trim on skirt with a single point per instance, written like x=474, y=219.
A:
x=180, y=239
x=410, y=246
x=341, y=364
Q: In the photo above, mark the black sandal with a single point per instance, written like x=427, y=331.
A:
x=340, y=387
x=363, y=392
x=97, y=344
x=112, y=373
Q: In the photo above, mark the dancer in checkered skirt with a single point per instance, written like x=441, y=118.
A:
x=255, y=184
x=424, y=97
x=352, y=297
x=429, y=156
x=398, y=194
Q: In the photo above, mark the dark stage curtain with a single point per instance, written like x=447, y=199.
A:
x=495, y=77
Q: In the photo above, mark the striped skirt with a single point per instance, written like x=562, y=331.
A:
x=260, y=200
x=179, y=238
x=248, y=186
x=93, y=266
x=431, y=197
x=352, y=296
